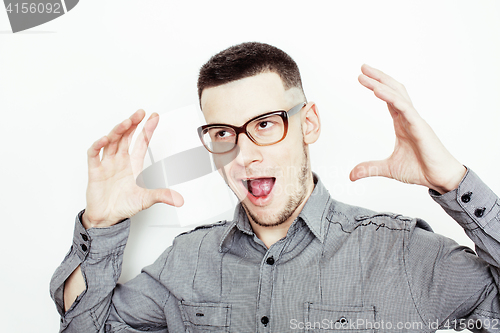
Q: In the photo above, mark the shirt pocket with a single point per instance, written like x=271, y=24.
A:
x=205, y=317
x=334, y=318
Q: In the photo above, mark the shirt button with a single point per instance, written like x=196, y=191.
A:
x=466, y=197
x=264, y=320
x=479, y=212
x=84, y=247
x=270, y=261
x=84, y=237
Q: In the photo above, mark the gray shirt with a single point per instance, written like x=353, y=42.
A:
x=339, y=267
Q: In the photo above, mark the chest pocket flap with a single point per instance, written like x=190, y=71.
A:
x=205, y=317
x=331, y=318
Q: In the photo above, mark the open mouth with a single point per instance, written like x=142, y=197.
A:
x=259, y=187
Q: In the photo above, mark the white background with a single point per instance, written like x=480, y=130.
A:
x=66, y=83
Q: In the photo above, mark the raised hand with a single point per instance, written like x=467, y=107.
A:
x=112, y=192
x=419, y=157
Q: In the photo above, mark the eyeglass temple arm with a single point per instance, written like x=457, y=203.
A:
x=296, y=109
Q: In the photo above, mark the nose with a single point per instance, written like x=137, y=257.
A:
x=249, y=152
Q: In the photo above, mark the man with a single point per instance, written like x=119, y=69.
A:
x=293, y=259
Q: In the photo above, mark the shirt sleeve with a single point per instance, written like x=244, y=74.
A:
x=452, y=287
x=477, y=209
x=100, y=308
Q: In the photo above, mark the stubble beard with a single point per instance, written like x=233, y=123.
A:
x=296, y=198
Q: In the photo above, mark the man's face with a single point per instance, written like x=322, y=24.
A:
x=270, y=181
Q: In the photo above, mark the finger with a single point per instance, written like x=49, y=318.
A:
x=124, y=142
x=130, y=136
x=93, y=158
x=375, y=85
x=164, y=195
x=370, y=169
x=379, y=89
x=368, y=82
x=143, y=139
x=136, y=118
x=385, y=79
x=396, y=104
x=114, y=137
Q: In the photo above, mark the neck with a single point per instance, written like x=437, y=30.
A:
x=272, y=234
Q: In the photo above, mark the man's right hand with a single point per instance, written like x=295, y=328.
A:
x=112, y=192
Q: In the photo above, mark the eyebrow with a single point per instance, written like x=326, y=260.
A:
x=244, y=122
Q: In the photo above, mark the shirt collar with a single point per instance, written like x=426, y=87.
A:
x=313, y=214
x=316, y=209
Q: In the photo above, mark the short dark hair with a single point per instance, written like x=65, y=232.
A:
x=245, y=60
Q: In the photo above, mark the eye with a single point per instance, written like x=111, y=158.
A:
x=222, y=134
x=265, y=124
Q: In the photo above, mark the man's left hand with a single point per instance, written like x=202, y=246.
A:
x=419, y=157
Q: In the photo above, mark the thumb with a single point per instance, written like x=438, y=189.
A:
x=163, y=195
x=369, y=169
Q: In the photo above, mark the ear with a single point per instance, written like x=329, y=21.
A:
x=311, y=125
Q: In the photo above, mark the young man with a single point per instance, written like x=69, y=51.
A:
x=293, y=258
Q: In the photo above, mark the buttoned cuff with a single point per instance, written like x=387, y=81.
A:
x=99, y=241
x=473, y=204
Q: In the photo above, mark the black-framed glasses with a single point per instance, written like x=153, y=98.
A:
x=264, y=130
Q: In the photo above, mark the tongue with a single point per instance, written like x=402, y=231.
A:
x=261, y=187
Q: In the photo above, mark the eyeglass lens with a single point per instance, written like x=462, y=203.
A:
x=264, y=130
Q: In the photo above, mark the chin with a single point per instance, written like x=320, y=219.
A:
x=269, y=216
